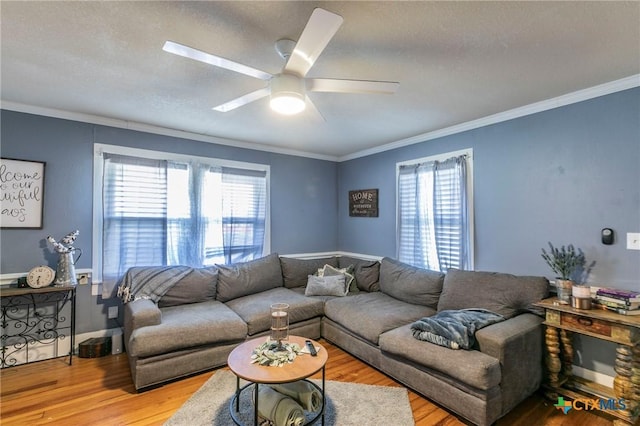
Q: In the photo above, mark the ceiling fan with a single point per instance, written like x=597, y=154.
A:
x=288, y=89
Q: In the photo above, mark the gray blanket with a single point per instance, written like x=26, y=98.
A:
x=150, y=282
x=454, y=329
x=278, y=408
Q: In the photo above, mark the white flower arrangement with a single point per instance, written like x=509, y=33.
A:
x=66, y=243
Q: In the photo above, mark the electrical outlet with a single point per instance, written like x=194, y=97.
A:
x=83, y=278
x=633, y=240
x=113, y=312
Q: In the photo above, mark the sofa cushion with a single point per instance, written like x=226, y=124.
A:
x=255, y=309
x=242, y=279
x=199, y=285
x=472, y=367
x=187, y=326
x=505, y=294
x=409, y=283
x=333, y=285
x=370, y=314
x=296, y=271
x=366, y=272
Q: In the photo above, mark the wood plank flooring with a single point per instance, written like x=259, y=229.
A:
x=99, y=391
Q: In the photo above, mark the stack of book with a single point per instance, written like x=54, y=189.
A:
x=625, y=302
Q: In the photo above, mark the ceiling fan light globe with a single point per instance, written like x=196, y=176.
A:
x=287, y=103
x=287, y=94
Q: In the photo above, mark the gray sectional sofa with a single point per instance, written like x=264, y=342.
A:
x=194, y=325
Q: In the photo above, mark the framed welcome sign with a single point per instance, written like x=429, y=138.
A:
x=21, y=193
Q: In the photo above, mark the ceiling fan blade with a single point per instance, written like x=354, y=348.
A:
x=207, y=58
x=313, y=111
x=351, y=86
x=243, y=100
x=320, y=29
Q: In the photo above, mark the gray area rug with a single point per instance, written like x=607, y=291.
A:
x=347, y=404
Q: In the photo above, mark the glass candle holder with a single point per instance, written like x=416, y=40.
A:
x=280, y=323
x=563, y=288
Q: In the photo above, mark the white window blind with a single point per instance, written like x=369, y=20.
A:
x=135, y=214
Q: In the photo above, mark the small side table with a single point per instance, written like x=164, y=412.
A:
x=37, y=325
x=303, y=367
x=561, y=322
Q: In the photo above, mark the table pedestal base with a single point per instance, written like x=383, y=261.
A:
x=252, y=388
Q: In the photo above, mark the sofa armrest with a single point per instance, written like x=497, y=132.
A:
x=141, y=313
x=517, y=343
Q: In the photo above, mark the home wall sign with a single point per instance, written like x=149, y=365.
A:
x=363, y=203
x=21, y=193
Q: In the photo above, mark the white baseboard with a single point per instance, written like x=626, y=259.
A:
x=38, y=350
x=593, y=376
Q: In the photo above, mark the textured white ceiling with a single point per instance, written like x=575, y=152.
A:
x=455, y=61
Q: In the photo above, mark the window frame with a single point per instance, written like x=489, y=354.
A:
x=98, y=172
x=470, y=202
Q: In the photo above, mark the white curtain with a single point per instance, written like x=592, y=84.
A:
x=433, y=230
x=451, y=215
x=243, y=214
x=174, y=213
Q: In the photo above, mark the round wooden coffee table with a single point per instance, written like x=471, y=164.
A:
x=302, y=367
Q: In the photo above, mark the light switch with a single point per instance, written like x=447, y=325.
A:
x=633, y=240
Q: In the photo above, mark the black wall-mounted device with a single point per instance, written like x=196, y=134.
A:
x=607, y=236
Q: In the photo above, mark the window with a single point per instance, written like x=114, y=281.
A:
x=153, y=208
x=435, y=211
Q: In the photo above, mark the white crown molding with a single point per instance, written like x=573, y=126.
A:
x=157, y=130
x=563, y=100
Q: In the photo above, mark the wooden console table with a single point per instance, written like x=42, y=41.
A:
x=25, y=320
x=563, y=320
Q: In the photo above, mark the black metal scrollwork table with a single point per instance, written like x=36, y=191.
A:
x=31, y=316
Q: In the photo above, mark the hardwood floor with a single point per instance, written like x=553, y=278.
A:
x=99, y=391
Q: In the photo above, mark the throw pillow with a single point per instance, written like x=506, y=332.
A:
x=409, y=283
x=366, y=272
x=295, y=271
x=325, y=286
x=329, y=270
x=505, y=294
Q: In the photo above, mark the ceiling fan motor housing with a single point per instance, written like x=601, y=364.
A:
x=285, y=47
x=287, y=93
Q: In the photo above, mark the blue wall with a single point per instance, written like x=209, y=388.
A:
x=560, y=175
x=303, y=194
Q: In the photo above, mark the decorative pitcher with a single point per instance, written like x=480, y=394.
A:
x=66, y=271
